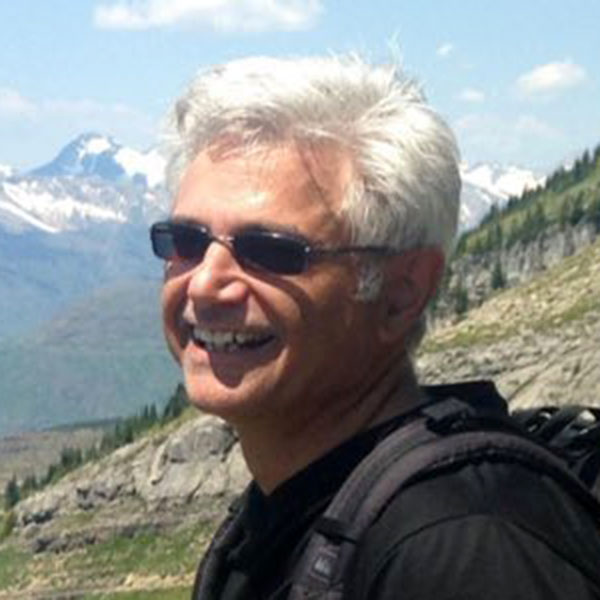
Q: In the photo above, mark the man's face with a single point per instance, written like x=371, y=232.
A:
x=251, y=343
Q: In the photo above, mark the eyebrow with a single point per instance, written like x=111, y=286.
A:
x=276, y=227
x=290, y=229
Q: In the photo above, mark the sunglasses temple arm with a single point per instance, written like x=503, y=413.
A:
x=380, y=250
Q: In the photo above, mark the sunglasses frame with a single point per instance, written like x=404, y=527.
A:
x=307, y=253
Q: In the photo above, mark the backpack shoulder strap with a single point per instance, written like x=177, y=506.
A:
x=330, y=546
x=431, y=444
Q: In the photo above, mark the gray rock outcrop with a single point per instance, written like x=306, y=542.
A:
x=560, y=366
x=519, y=263
x=188, y=473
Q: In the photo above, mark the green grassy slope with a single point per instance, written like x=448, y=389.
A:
x=554, y=298
x=146, y=565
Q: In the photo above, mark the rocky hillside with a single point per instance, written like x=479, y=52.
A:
x=539, y=341
x=139, y=518
x=519, y=262
x=529, y=234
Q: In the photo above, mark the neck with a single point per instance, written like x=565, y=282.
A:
x=276, y=448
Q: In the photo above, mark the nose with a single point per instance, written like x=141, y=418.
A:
x=218, y=278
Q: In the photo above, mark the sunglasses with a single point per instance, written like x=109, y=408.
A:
x=271, y=251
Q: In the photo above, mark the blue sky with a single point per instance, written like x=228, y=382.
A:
x=519, y=81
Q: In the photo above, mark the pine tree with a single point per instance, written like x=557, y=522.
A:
x=498, y=279
x=12, y=493
x=460, y=299
x=175, y=405
x=577, y=211
x=593, y=212
x=70, y=458
x=30, y=484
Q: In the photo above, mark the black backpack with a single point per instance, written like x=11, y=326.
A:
x=572, y=433
x=453, y=429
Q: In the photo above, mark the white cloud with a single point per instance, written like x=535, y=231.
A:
x=472, y=95
x=489, y=136
x=445, y=50
x=13, y=104
x=552, y=77
x=221, y=15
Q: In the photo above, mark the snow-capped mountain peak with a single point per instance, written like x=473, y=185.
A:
x=95, y=155
x=95, y=179
x=94, y=144
x=501, y=181
x=92, y=180
x=485, y=185
x=150, y=165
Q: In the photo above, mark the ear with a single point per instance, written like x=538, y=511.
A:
x=410, y=281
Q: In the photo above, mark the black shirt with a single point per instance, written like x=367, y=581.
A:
x=485, y=531
x=276, y=525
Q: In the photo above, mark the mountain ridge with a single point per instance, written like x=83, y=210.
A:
x=47, y=196
x=49, y=275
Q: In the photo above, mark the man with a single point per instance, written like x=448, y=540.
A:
x=315, y=201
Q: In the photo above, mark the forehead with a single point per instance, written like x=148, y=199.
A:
x=279, y=183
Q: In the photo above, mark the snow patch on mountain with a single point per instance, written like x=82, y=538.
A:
x=500, y=181
x=94, y=179
x=94, y=145
x=15, y=219
x=6, y=171
x=150, y=165
x=52, y=208
x=485, y=185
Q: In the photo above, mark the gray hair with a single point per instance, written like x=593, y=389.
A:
x=407, y=185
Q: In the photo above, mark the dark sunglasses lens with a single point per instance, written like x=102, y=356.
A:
x=171, y=241
x=271, y=252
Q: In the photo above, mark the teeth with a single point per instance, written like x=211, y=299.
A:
x=227, y=340
x=242, y=338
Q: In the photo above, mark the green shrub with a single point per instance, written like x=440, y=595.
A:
x=9, y=520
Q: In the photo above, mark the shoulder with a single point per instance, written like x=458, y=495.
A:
x=492, y=530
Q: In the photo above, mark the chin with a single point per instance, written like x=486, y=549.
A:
x=232, y=387
x=232, y=404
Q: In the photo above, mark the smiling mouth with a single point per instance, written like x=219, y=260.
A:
x=229, y=341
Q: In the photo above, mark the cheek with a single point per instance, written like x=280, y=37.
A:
x=172, y=299
x=327, y=316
